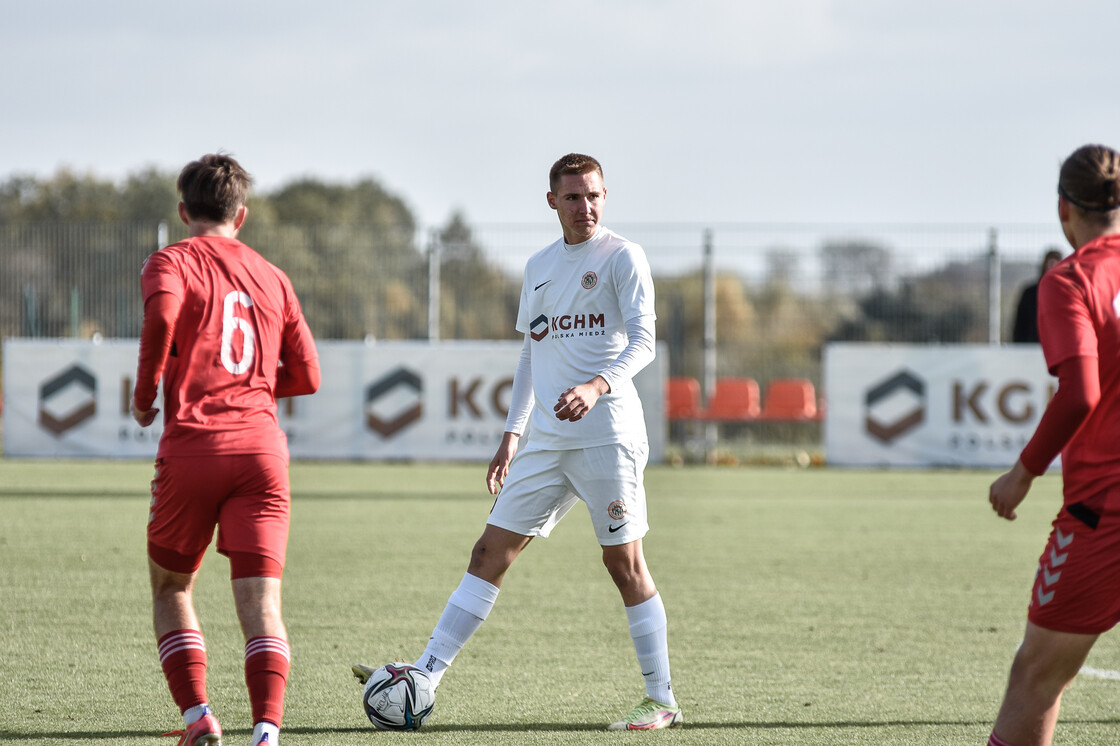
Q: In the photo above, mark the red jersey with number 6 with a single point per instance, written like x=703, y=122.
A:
x=1079, y=316
x=238, y=320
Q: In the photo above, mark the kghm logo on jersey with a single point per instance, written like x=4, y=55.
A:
x=538, y=330
x=590, y=280
x=568, y=325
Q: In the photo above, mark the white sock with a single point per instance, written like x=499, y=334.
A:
x=649, y=629
x=196, y=713
x=465, y=612
x=267, y=731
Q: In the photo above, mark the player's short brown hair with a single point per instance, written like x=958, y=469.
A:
x=572, y=163
x=214, y=187
x=1090, y=180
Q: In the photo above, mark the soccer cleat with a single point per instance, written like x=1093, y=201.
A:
x=650, y=715
x=362, y=673
x=265, y=734
x=202, y=732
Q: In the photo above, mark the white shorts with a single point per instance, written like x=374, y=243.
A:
x=542, y=486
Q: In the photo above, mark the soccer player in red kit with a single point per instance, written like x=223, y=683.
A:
x=1076, y=593
x=224, y=331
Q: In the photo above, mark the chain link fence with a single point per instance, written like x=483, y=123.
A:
x=779, y=292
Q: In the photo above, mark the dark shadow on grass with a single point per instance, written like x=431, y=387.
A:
x=106, y=735
x=693, y=725
x=555, y=727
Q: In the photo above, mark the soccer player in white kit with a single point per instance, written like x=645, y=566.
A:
x=587, y=314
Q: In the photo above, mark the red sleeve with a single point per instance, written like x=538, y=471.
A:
x=1065, y=326
x=298, y=374
x=161, y=274
x=1079, y=391
x=297, y=379
x=161, y=311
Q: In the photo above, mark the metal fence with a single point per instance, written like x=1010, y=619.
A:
x=733, y=299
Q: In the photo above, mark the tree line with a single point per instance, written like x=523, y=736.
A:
x=71, y=246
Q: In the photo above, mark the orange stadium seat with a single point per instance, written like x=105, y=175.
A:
x=734, y=400
x=790, y=400
x=682, y=398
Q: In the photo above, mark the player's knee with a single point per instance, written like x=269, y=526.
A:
x=163, y=592
x=489, y=561
x=624, y=570
x=1040, y=677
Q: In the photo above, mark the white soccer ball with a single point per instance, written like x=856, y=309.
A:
x=398, y=696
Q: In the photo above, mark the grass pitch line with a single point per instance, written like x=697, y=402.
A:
x=1100, y=673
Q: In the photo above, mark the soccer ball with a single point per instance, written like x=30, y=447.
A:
x=398, y=697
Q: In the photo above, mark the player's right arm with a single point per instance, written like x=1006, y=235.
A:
x=499, y=465
x=161, y=310
x=520, y=407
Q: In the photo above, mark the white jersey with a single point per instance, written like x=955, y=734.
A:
x=575, y=302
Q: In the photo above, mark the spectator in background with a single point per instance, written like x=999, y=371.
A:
x=1026, y=315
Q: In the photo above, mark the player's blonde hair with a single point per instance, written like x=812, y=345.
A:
x=572, y=163
x=214, y=187
x=1090, y=181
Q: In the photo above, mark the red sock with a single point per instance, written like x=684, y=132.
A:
x=267, y=660
x=182, y=654
x=993, y=740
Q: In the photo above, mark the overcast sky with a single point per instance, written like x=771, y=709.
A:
x=700, y=110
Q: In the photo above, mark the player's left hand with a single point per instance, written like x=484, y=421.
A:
x=576, y=402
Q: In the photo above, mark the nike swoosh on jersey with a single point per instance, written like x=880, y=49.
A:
x=538, y=287
x=612, y=529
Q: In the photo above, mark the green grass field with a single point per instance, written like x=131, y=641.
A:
x=805, y=607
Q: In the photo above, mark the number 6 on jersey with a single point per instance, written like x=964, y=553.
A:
x=232, y=322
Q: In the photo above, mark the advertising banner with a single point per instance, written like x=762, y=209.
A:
x=932, y=405
x=413, y=401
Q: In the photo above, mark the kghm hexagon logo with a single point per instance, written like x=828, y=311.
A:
x=394, y=402
x=895, y=406
x=67, y=400
x=538, y=330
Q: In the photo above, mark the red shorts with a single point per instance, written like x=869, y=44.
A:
x=246, y=496
x=1077, y=588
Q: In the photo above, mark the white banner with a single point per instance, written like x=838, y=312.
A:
x=923, y=405
x=411, y=401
